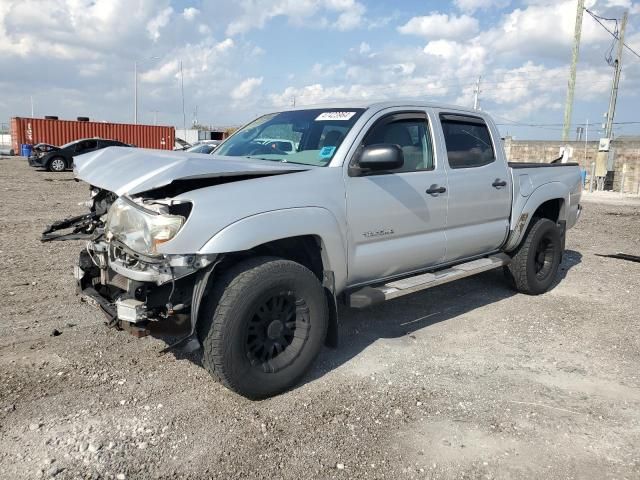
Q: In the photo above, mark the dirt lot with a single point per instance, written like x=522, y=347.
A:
x=463, y=381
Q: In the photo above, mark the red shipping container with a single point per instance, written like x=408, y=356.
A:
x=58, y=132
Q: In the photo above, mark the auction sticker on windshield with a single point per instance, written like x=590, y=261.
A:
x=335, y=116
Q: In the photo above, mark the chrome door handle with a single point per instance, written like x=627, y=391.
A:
x=435, y=189
x=499, y=183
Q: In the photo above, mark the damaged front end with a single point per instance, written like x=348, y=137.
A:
x=139, y=203
x=121, y=270
x=89, y=226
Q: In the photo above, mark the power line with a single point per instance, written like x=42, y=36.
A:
x=614, y=35
x=558, y=126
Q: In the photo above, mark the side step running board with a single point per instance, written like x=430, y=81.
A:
x=368, y=296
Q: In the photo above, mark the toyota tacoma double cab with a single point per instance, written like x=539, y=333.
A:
x=253, y=247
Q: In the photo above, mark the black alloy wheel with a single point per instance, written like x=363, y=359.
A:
x=263, y=323
x=534, y=264
x=277, y=332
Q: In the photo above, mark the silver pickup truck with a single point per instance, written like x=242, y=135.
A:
x=253, y=247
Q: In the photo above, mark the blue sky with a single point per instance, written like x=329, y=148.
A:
x=244, y=58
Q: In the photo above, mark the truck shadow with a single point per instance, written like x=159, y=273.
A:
x=358, y=329
x=402, y=317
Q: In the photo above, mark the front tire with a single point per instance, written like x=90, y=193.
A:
x=57, y=164
x=534, y=267
x=263, y=324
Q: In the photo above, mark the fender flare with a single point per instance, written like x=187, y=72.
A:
x=520, y=222
x=261, y=228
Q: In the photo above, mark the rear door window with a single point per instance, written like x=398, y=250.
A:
x=468, y=141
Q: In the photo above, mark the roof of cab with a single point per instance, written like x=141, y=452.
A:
x=379, y=105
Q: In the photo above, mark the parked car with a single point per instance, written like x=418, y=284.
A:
x=180, y=144
x=206, y=146
x=256, y=246
x=59, y=159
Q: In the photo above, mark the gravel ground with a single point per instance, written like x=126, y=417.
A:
x=467, y=380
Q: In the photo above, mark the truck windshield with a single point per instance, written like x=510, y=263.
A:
x=308, y=137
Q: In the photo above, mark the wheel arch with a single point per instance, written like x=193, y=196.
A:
x=550, y=200
x=309, y=236
x=315, y=230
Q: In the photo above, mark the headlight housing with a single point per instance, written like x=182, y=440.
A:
x=139, y=229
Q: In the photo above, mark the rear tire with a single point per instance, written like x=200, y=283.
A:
x=57, y=164
x=263, y=324
x=534, y=266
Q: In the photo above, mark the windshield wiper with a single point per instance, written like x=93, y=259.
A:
x=267, y=159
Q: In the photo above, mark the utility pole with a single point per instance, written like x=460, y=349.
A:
x=135, y=92
x=31, y=106
x=476, y=93
x=184, y=117
x=571, y=87
x=616, y=78
x=586, y=139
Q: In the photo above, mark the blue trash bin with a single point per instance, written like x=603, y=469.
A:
x=26, y=150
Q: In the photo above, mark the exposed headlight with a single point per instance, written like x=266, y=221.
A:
x=139, y=229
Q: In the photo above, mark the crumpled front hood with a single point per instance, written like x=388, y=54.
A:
x=129, y=171
x=44, y=147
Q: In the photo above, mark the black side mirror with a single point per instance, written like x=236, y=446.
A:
x=380, y=157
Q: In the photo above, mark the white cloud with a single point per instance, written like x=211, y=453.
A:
x=245, y=88
x=161, y=72
x=523, y=57
x=190, y=13
x=70, y=29
x=257, y=13
x=158, y=23
x=327, y=69
x=224, y=46
x=441, y=25
x=350, y=16
x=403, y=68
x=633, y=41
x=545, y=31
x=319, y=93
x=198, y=62
x=471, y=6
x=463, y=59
x=619, y=3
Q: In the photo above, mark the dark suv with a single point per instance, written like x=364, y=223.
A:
x=58, y=159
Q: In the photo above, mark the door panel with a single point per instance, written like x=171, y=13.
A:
x=396, y=227
x=478, y=213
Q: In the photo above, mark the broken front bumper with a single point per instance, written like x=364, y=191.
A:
x=133, y=290
x=36, y=161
